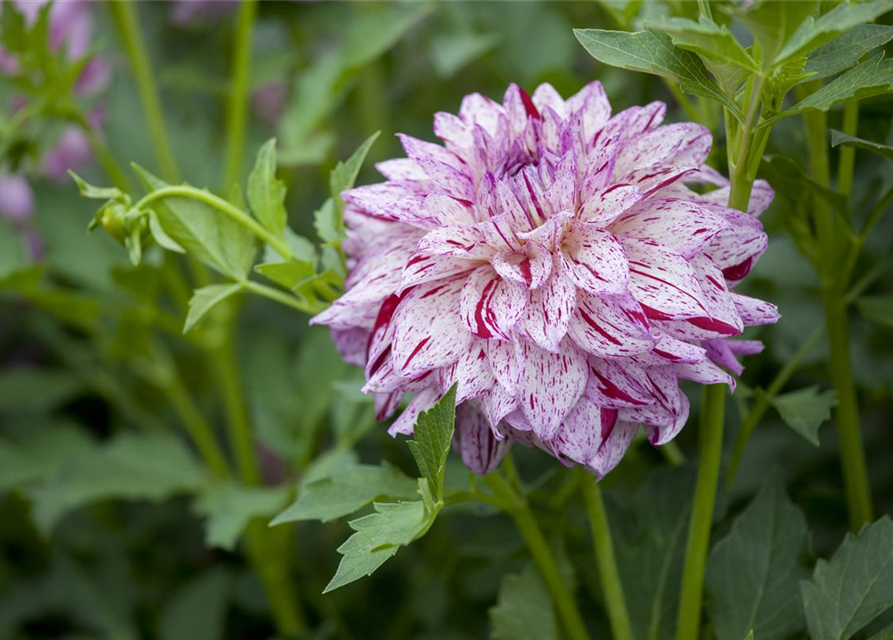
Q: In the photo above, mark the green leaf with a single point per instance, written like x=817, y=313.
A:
x=773, y=22
x=878, y=309
x=133, y=466
x=378, y=537
x=653, y=53
x=347, y=491
x=87, y=190
x=854, y=587
x=846, y=50
x=158, y=233
x=622, y=11
x=289, y=274
x=205, y=299
x=432, y=439
x=327, y=222
x=813, y=33
x=450, y=52
x=212, y=237
x=32, y=389
x=198, y=609
x=649, y=539
x=838, y=138
x=707, y=39
x=805, y=410
x=753, y=572
x=343, y=177
x=524, y=609
x=871, y=78
x=266, y=192
x=228, y=508
x=50, y=446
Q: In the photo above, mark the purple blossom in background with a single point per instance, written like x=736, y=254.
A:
x=16, y=198
x=551, y=260
x=268, y=101
x=187, y=12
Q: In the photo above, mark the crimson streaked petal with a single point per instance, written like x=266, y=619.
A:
x=594, y=260
x=550, y=385
x=481, y=450
x=610, y=326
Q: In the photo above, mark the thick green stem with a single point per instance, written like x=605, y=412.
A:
x=124, y=14
x=852, y=454
x=208, y=198
x=261, y=544
x=282, y=297
x=267, y=555
x=847, y=160
x=761, y=403
x=237, y=422
x=612, y=588
x=200, y=432
x=516, y=506
x=691, y=598
x=238, y=94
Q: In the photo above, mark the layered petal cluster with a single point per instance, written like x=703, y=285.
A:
x=552, y=260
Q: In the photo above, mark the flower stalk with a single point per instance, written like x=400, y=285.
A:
x=518, y=509
x=124, y=14
x=612, y=588
x=852, y=453
x=238, y=94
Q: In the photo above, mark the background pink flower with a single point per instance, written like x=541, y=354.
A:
x=552, y=260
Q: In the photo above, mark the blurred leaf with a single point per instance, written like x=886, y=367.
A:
x=229, y=507
x=813, y=33
x=327, y=222
x=524, y=609
x=854, y=587
x=622, y=11
x=133, y=466
x=197, y=610
x=846, y=50
x=68, y=590
x=266, y=192
x=878, y=309
x=753, y=572
x=871, y=78
x=212, y=237
x=205, y=299
x=378, y=537
x=12, y=250
x=838, y=138
x=347, y=491
x=432, y=439
x=653, y=53
x=884, y=634
x=450, y=52
x=48, y=448
x=805, y=410
x=40, y=390
x=371, y=34
x=650, y=546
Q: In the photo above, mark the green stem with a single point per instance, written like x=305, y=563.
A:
x=238, y=95
x=852, y=453
x=200, y=432
x=612, y=588
x=267, y=554
x=517, y=508
x=208, y=198
x=673, y=454
x=701, y=522
x=264, y=546
x=847, y=160
x=281, y=297
x=124, y=14
x=241, y=441
x=761, y=403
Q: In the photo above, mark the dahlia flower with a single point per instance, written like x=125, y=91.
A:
x=551, y=260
